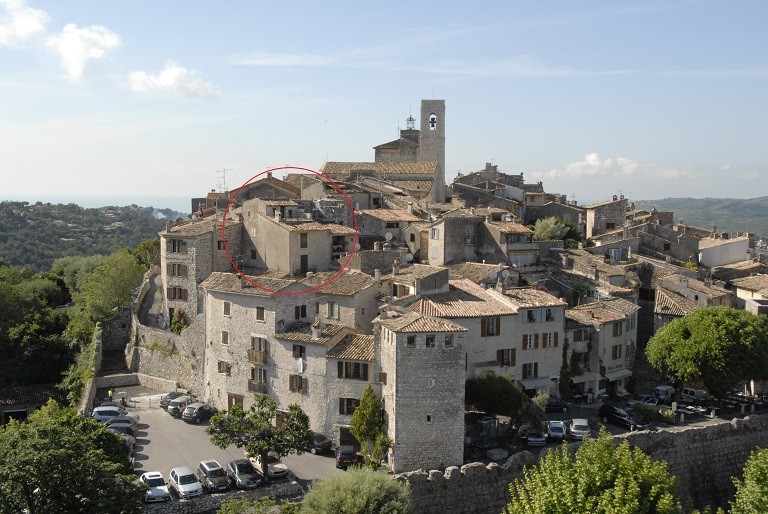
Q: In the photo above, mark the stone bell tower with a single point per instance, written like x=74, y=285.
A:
x=432, y=144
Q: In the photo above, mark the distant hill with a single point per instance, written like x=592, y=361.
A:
x=37, y=234
x=727, y=214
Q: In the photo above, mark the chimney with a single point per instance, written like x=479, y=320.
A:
x=508, y=217
x=277, y=215
x=269, y=175
x=377, y=246
x=310, y=274
x=615, y=198
x=377, y=275
x=240, y=281
x=410, y=207
x=168, y=225
x=395, y=266
x=487, y=218
x=472, y=211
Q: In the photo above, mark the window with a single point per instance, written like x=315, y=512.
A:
x=410, y=342
x=297, y=383
x=547, y=340
x=177, y=246
x=259, y=375
x=430, y=340
x=490, y=326
x=667, y=246
x=260, y=313
x=300, y=311
x=632, y=321
x=429, y=418
x=227, y=308
x=258, y=343
x=550, y=315
x=224, y=337
x=531, y=318
x=355, y=370
x=392, y=224
x=530, y=370
x=578, y=335
x=468, y=235
x=434, y=233
x=431, y=382
x=506, y=356
x=433, y=121
x=383, y=379
x=177, y=293
x=299, y=351
x=303, y=240
x=610, y=226
x=616, y=329
x=348, y=405
x=449, y=340
x=332, y=310
x=178, y=270
x=221, y=245
x=254, y=254
x=530, y=341
x=413, y=237
x=225, y=368
x=616, y=352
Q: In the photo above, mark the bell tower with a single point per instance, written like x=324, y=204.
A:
x=432, y=144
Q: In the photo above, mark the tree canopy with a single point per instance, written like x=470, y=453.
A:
x=63, y=462
x=717, y=346
x=600, y=478
x=494, y=394
x=358, y=491
x=752, y=492
x=255, y=430
x=555, y=227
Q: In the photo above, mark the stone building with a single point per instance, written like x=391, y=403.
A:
x=347, y=298
x=381, y=222
x=454, y=238
x=606, y=216
x=509, y=242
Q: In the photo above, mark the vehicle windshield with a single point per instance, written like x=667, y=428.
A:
x=155, y=482
x=555, y=429
x=216, y=472
x=187, y=479
x=580, y=428
x=244, y=468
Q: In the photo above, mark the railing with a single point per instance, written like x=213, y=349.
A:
x=257, y=387
x=257, y=357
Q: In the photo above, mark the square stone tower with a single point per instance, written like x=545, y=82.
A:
x=432, y=143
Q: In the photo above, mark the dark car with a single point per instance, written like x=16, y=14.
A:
x=242, y=474
x=625, y=416
x=555, y=404
x=197, y=412
x=321, y=444
x=212, y=476
x=346, y=456
x=165, y=400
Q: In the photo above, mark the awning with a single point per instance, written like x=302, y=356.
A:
x=586, y=377
x=533, y=383
x=617, y=374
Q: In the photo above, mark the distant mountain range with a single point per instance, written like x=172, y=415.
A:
x=727, y=214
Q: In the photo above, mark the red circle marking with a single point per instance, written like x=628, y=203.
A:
x=335, y=185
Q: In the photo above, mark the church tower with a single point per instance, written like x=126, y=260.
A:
x=432, y=144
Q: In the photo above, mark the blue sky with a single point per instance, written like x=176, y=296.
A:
x=652, y=99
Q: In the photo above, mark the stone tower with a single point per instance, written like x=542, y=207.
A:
x=432, y=144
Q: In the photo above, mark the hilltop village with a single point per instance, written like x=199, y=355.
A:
x=308, y=288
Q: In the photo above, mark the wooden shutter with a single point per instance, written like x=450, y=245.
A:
x=341, y=369
x=500, y=356
x=535, y=341
x=512, y=357
x=555, y=336
x=525, y=341
x=291, y=382
x=498, y=326
x=483, y=327
x=341, y=406
x=365, y=371
x=169, y=294
x=383, y=378
x=535, y=369
x=304, y=385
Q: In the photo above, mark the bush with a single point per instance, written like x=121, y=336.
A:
x=357, y=491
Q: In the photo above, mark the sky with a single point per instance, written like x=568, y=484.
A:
x=650, y=99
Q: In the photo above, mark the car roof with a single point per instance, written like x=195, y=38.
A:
x=174, y=394
x=153, y=474
x=556, y=423
x=182, y=470
x=346, y=448
x=210, y=464
x=195, y=405
x=238, y=461
x=580, y=421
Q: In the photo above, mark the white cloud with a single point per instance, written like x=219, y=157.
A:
x=594, y=165
x=20, y=22
x=725, y=167
x=172, y=79
x=77, y=46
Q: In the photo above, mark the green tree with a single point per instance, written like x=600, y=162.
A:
x=64, y=462
x=264, y=505
x=149, y=253
x=255, y=431
x=367, y=421
x=718, y=346
x=494, y=394
x=752, y=492
x=600, y=478
x=74, y=269
x=358, y=491
x=549, y=229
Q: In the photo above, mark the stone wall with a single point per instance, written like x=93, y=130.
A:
x=212, y=502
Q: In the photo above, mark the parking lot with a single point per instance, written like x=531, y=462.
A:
x=164, y=442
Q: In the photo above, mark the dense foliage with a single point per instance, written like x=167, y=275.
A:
x=36, y=234
x=264, y=505
x=494, y=395
x=752, y=492
x=600, y=478
x=358, y=491
x=64, y=462
x=718, y=346
x=256, y=432
x=554, y=228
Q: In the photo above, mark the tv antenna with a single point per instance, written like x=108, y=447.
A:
x=222, y=174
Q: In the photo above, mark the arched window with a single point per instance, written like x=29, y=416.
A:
x=433, y=121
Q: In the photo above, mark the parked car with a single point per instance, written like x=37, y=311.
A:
x=124, y=420
x=622, y=416
x=177, y=405
x=556, y=431
x=242, y=474
x=555, y=404
x=130, y=441
x=665, y=393
x=346, y=456
x=124, y=429
x=184, y=482
x=644, y=398
x=157, y=489
x=580, y=429
x=212, y=476
x=531, y=435
x=108, y=403
x=276, y=468
x=165, y=400
x=321, y=444
x=198, y=411
x=104, y=413
x=692, y=395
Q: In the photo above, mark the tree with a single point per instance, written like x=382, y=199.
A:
x=367, y=420
x=360, y=491
x=63, y=462
x=494, y=394
x=255, y=431
x=752, y=492
x=600, y=478
x=149, y=253
x=548, y=229
x=718, y=346
x=264, y=505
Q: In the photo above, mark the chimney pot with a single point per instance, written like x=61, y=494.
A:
x=377, y=275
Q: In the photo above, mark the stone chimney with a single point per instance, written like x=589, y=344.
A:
x=269, y=175
x=377, y=275
x=277, y=215
x=410, y=207
x=167, y=225
x=377, y=246
x=240, y=282
x=395, y=267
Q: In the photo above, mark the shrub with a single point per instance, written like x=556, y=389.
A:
x=357, y=491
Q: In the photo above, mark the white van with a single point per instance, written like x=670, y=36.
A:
x=664, y=393
x=694, y=395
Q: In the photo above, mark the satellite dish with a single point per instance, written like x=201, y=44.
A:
x=388, y=236
x=501, y=266
x=589, y=260
x=409, y=257
x=357, y=247
x=493, y=274
x=505, y=273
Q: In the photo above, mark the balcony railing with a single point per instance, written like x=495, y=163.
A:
x=257, y=357
x=257, y=387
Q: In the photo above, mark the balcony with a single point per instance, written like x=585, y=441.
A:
x=257, y=357
x=255, y=386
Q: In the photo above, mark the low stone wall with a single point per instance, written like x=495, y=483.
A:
x=212, y=502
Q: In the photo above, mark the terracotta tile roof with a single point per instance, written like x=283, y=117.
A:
x=404, y=321
x=756, y=283
x=594, y=316
x=461, y=212
x=280, y=203
x=353, y=347
x=302, y=333
x=475, y=271
x=390, y=215
x=583, y=256
x=465, y=299
x=305, y=225
x=672, y=304
x=197, y=227
x=29, y=394
x=607, y=202
x=296, y=179
x=692, y=283
x=348, y=283
x=511, y=227
x=413, y=185
x=384, y=169
x=414, y=272
x=230, y=283
x=527, y=297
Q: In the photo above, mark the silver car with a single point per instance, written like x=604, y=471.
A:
x=580, y=429
x=157, y=489
x=106, y=413
x=184, y=482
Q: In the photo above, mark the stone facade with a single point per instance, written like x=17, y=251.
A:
x=606, y=216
